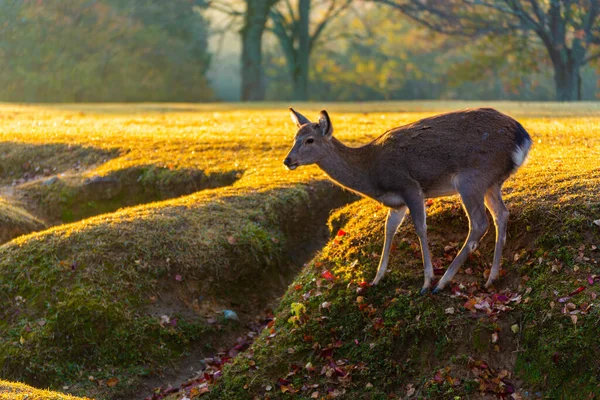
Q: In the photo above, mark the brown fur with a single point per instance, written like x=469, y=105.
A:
x=428, y=152
x=469, y=152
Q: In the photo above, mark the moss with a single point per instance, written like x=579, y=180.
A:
x=87, y=284
x=16, y=221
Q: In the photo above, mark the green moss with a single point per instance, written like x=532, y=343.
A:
x=76, y=294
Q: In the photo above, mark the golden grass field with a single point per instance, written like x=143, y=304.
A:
x=199, y=192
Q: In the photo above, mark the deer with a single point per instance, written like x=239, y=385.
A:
x=469, y=153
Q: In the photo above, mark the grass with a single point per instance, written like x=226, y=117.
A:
x=85, y=299
x=19, y=391
x=15, y=221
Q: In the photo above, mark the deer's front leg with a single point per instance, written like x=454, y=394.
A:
x=392, y=222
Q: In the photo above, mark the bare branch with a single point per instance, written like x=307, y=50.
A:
x=330, y=14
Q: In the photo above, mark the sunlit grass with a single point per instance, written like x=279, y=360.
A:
x=19, y=391
x=216, y=238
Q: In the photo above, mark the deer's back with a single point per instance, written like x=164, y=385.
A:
x=438, y=147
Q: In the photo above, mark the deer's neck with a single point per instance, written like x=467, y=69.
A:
x=349, y=167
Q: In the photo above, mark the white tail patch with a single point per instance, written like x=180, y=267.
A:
x=520, y=153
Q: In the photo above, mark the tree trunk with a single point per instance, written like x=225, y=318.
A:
x=566, y=79
x=255, y=19
x=300, y=72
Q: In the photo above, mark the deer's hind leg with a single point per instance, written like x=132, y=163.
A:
x=494, y=203
x=416, y=205
x=473, y=202
x=392, y=222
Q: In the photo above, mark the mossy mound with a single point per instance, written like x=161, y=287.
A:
x=535, y=334
x=20, y=391
x=21, y=162
x=74, y=197
x=335, y=336
x=87, y=299
x=15, y=221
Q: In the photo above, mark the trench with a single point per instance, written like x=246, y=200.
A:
x=65, y=199
x=304, y=240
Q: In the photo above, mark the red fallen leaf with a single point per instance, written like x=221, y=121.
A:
x=439, y=271
x=356, y=341
x=364, y=284
x=298, y=287
x=283, y=382
x=326, y=353
x=377, y=324
x=578, y=290
x=429, y=202
x=341, y=232
x=590, y=280
x=327, y=275
x=178, y=278
x=556, y=357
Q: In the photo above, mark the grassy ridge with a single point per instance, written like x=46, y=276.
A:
x=332, y=337
x=15, y=221
x=88, y=294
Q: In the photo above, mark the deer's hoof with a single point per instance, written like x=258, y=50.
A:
x=424, y=291
x=436, y=290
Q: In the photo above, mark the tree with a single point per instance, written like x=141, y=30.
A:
x=103, y=50
x=254, y=18
x=569, y=30
x=293, y=31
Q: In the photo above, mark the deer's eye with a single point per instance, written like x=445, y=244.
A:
x=310, y=141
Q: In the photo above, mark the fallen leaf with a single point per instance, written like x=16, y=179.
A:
x=178, y=278
x=341, y=232
x=449, y=310
x=574, y=319
x=112, y=382
x=328, y=275
x=578, y=290
x=515, y=328
x=231, y=240
x=597, y=222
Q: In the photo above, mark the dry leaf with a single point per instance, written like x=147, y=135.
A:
x=112, y=382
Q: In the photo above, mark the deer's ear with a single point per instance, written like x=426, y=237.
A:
x=325, y=124
x=298, y=118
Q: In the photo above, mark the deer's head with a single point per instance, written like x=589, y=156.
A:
x=312, y=141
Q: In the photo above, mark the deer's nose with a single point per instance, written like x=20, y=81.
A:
x=287, y=161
